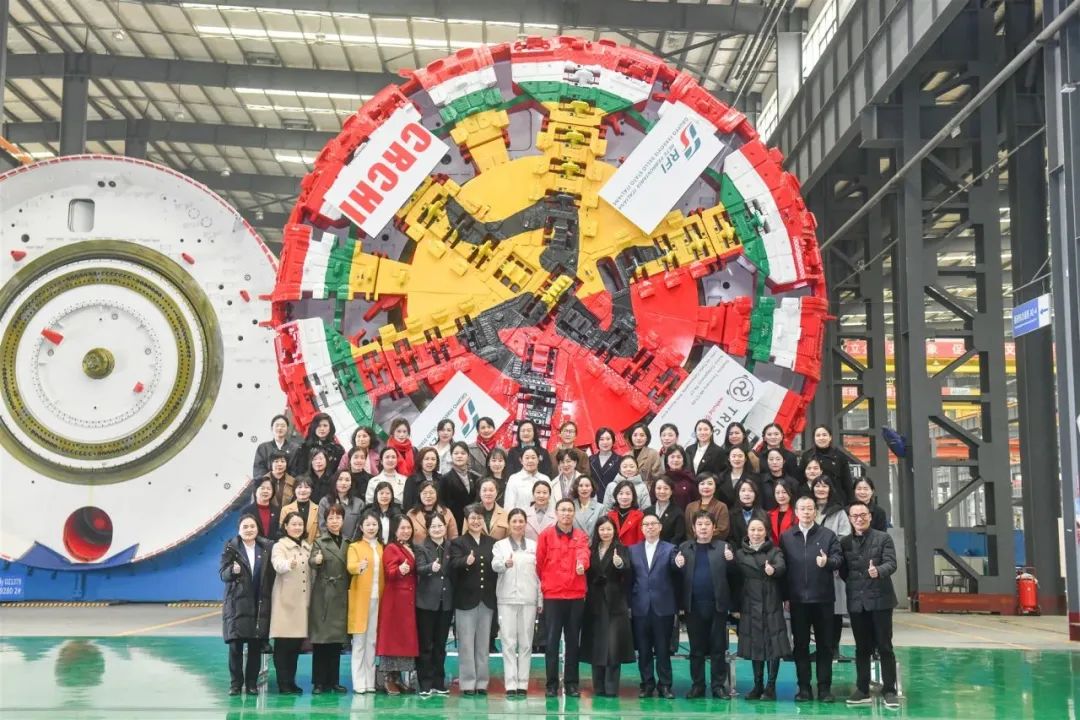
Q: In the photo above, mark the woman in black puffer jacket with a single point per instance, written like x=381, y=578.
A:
x=249, y=577
x=763, y=634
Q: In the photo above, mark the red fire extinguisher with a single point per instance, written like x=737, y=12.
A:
x=1027, y=591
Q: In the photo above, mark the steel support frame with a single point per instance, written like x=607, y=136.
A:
x=875, y=47
x=1062, y=67
x=917, y=278
x=1023, y=111
x=196, y=72
x=74, y=105
x=681, y=17
x=856, y=289
x=175, y=131
x=4, y=20
x=6, y=161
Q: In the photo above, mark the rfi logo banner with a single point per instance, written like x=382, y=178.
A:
x=662, y=167
x=719, y=389
x=386, y=170
x=462, y=401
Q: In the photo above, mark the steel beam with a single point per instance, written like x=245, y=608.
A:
x=875, y=47
x=136, y=138
x=626, y=14
x=856, y=288
x=1062, y=67
x=939, y=495
x=239, y=182
x=4, y=19
x=194, y=72
x=184, y=132
x=1023, y=107
x=74, y=101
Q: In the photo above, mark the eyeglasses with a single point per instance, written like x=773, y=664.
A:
x=860, y=515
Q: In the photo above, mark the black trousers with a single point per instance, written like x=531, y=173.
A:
x=652, y=636
x=838, y=632
x=605, y=679
x=326, y=664
x=562, y=619
x=759, y=672
x=708, y=634
x=873, y=629
x=820, y=617
x=286, y=656
x=432, y=630
x=241, y=673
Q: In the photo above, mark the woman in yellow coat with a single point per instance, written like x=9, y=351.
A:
x=368, y=580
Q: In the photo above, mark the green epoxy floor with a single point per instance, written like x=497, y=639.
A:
x=186, y=677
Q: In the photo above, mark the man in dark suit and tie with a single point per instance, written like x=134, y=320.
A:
x=652, y=607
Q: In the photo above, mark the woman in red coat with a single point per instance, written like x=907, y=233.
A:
x=782, y=516
x=626, y=515
x=396, y=644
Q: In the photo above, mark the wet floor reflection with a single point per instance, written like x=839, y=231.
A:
x=174, y=677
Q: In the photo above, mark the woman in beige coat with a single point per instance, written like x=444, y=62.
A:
x=307, y=509
x=289, y=601
x=368, y=580
x=496, y=523
x=648, y=460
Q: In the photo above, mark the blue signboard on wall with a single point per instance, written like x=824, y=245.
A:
x=1031, y=315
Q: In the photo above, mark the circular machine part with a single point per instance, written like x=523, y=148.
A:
x=478, y=212
x=133, y=370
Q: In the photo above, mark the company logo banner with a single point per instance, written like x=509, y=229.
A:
x=662, y=167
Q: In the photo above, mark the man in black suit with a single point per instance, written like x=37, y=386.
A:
x=812, y=553
x=705, y=564
x=652, y=607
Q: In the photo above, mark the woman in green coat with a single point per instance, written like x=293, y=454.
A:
x=762, y=631
x=329, y=604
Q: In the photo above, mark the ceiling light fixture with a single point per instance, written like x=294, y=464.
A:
x=301, y=93
x=341, y=39
x=296, y=109
x=294, y=158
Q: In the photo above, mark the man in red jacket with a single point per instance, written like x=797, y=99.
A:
x=562, y=557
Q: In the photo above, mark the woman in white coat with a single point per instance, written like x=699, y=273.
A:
x=289, y=601
x=628, y=470
x=519, y=486
x=541, y=514
x=519, y=599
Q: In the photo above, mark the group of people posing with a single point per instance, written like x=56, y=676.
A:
x=387, y=546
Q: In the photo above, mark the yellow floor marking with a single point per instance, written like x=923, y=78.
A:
x=970, y=636
x=168, y=624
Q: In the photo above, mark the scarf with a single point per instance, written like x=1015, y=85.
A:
x=404, y=450
x=336, y=539
x=486, y=445
x=755, y=546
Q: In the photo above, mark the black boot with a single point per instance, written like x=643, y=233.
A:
x=759, y=681
x=770, y=688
